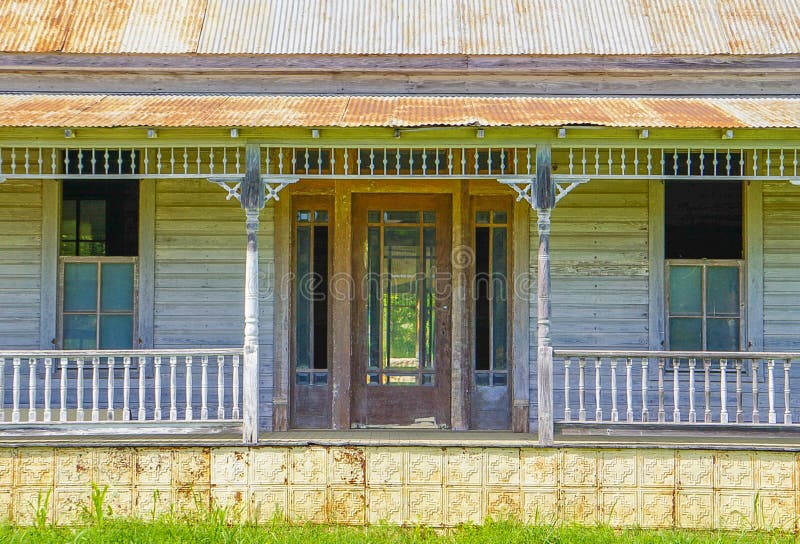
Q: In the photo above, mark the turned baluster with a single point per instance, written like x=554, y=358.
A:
x=598, y=412
x=692, y=412
x=188, y=413
x=204, y=387
x=142, y=413
x=62, y=412
x=220, y=387
x=48, y=388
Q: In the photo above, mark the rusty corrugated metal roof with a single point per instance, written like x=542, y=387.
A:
x=413, y=27
x=46, y=110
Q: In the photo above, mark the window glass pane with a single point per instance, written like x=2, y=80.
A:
x=80, y=331
x=92, y=220
x=303, y=216
x=80, y=287
x=482, y=302
x=303, y=300
x=685, y=334
x=321, y=216
x=400, y=298
x=482, y=217
x=685, y=290
x=374, y=216
x=320, y=297
x=374, y=289
x=401, y=217
x=722, y=291
x=428, y=295
x=116, y=291
x=722, y=334
x=68, y=218
x=91, y=249
x=500, y=217
x=69, y=248
x=429, y=217
x=499, y=298
x=116, y=331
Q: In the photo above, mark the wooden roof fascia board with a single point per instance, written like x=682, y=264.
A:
x=399, y=63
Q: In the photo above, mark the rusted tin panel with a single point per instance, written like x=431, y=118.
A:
x=34, y=26
x=764, y=113
x=150, y=111
x=135, y=26
x=765, y=25
x=471, y=27
x=279, y=111
x=168, y=26
x=42, y=110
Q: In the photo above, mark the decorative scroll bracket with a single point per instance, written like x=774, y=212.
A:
x=272, y=185
x=231, y=184
x=523, y=186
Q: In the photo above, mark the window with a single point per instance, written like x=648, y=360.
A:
x=311, y=296
x=491, y=297
x=704, y=272
x=704, y=306
x=98, y=264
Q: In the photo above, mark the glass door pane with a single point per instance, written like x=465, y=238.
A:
x=401, y=264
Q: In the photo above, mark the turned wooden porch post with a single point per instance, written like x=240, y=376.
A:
x=252, y=202
x=544, y=200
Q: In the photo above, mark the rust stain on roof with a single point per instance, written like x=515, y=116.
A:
x=46, y=110
x=405, y=27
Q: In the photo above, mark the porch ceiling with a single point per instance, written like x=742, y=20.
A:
x=104, y=110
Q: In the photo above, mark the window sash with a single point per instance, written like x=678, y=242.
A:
x=98, y=313
x=703, y=316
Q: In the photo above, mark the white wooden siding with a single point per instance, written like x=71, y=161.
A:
x=20, y=263
x=199, y=274
x=781, y=267
x=599, y=267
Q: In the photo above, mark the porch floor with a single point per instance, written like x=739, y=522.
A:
x=570, y=435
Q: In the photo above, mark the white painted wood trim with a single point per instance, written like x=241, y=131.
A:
x=655, y=229
x=754, y=266
x=147, y=241
x=51, y=219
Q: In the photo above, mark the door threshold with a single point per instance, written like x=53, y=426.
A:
x=419, y=423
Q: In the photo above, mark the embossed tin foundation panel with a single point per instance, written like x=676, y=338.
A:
x=438, y=486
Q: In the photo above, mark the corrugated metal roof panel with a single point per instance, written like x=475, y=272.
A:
x=34, y=26
x=135, y=26
x=44, y=110
x=413, y=27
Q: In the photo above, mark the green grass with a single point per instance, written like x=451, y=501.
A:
x=504, y=532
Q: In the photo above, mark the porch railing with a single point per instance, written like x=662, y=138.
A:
x=674, y=387
x=111, y=386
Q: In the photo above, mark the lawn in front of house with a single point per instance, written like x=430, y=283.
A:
x=504, y=532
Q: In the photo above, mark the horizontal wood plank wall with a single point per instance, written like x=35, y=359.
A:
x=199, y=274
x=781, y=266
x=600, y=268
x=20, y=263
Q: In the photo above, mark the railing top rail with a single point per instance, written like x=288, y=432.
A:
x=120, y=353
x=676, y=354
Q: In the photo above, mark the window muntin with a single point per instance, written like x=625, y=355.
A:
x=491, y=297
x=311, y=295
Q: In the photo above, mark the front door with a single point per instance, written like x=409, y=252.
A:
x=401, y=313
